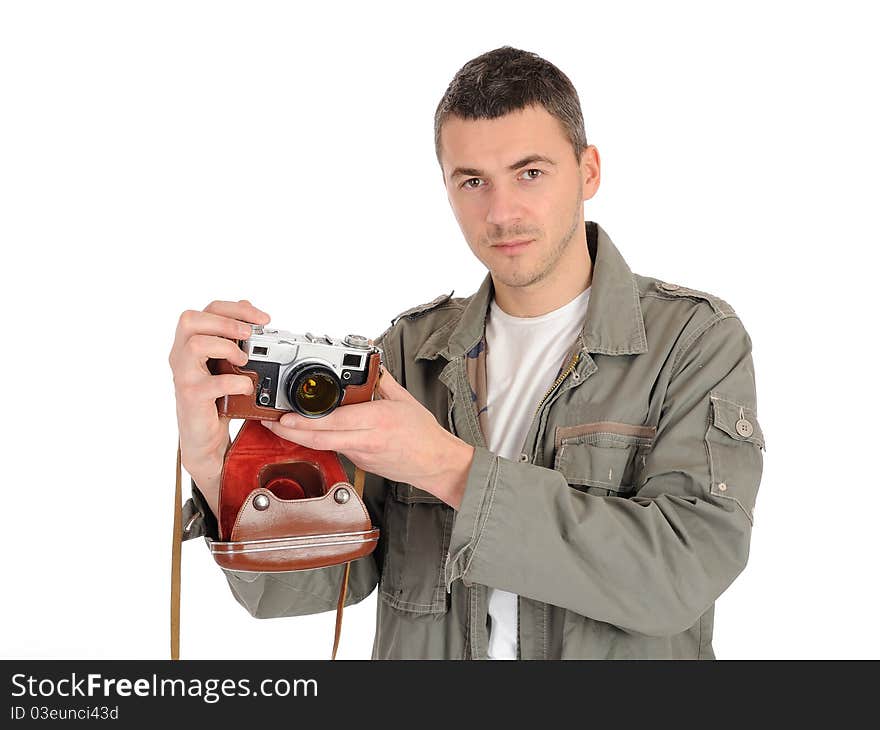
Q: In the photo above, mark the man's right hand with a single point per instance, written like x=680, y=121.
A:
x=204, y=434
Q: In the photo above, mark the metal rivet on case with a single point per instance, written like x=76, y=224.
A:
x=261, y=502
x=341, y=495
x=722, y=487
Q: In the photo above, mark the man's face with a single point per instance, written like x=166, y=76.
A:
x=515, y=178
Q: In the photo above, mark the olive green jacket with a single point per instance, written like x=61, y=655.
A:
x=626, y=515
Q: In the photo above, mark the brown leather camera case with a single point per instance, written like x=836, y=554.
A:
x=284, y=506
x=246, y=406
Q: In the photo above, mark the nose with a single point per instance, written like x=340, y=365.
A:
x=504, y=208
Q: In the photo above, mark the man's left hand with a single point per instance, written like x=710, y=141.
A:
x=395, y=437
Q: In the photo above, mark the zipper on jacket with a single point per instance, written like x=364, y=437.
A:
x=562, y=376
x=518, y=650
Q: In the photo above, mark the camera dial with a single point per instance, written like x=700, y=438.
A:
x=357, y=341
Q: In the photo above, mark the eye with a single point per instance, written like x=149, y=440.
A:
x=540, y=172
x=469, y=187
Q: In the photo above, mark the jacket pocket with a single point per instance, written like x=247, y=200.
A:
x=734, y=441
x=417, y=527
x=603, y=457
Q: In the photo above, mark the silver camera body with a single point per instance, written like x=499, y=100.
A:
x=305, y=373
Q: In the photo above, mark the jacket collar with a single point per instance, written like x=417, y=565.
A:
x=613, y=324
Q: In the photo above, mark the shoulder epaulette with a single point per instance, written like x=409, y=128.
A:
x=420, y=309
x=676, y=290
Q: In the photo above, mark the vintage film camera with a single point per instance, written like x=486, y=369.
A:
x=306, y=373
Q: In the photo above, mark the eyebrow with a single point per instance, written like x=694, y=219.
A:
x=528, y=160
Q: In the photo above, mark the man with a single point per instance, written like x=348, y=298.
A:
x=564, y=464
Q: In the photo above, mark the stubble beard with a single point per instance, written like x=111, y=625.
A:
x=549, y=261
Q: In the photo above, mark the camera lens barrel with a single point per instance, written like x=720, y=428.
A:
x=313, y=390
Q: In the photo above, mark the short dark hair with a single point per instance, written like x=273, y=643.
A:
x=508, y=79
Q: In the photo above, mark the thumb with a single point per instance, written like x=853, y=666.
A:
x=389, y=389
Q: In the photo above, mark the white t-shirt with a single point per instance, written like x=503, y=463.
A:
x=523, y=355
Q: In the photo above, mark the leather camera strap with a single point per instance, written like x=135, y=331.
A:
x=177, y=541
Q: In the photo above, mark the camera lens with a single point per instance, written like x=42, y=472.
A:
x=313, y=390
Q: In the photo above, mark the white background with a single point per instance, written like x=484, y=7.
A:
x=155, y=156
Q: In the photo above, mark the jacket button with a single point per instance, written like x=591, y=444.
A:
x=669, y=287
x=744, y=428
x=722, y=487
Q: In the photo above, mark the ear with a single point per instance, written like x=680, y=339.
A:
x=590, y=167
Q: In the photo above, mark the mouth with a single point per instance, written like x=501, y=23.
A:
x=512, y=246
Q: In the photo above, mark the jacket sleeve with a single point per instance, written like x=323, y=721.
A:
x=651, y=563
x=302, y=592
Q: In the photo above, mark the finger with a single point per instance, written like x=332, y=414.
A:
x=192, y=323
x=215, y=386
x=241, y=309
x=211, y=387
x=322, y=440
x=227, y=384
x=191, y=360
x=352, y=417
x=206, y=346
x=389, y=389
